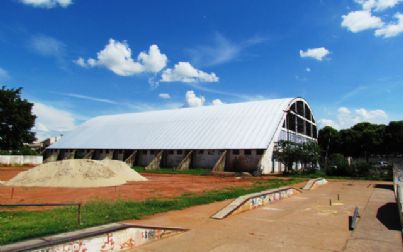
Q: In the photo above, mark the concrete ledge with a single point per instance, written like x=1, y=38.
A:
x=398, y=187
x=254, y=200
x=115, y=236
x=312, y=183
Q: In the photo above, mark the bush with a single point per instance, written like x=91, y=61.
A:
x=337, y=166
x=25, y=150
x=361, y=169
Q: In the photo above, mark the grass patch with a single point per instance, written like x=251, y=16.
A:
x=173, y=171
x=20, y=225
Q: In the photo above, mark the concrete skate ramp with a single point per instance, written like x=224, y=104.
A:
x=312, y=183
x=254, y=200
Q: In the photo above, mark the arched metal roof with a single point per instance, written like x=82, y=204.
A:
x=248, y=125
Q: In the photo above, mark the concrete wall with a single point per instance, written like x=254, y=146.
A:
x=20, y=160
x=243, y=160
x=103, y=154
x=205, y=158
x=126, y=239
x=246, y=160
x=145, y=157
x=172, y=158
x=398, y=188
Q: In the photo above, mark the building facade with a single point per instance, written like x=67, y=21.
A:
x=229, y=137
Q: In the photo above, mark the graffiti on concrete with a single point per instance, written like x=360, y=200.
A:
x=264, y=199
x=116, y=241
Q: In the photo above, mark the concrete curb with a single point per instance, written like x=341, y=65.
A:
x=86, y=237
x=254, y=200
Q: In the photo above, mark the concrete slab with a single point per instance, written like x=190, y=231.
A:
x=379, y=226
x=304, y=225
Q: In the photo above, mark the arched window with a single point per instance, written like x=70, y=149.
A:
x=299, y=119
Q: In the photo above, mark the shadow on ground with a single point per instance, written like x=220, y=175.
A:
x=383, y=186
x=388, y=216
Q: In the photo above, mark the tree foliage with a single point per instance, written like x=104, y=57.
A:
x=363, y=140
x=289, y=153
x=16, y=119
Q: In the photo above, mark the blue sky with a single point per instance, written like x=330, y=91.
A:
x=77, y=59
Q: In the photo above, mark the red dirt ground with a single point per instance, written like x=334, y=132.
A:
x=158, y=186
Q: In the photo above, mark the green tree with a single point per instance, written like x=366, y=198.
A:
x=328, y=140
x=16, y=119
x=368, y=139
x=310, y=154
x=289, y=153
x=394, y=137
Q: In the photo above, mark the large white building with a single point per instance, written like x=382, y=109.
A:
x=228, y=137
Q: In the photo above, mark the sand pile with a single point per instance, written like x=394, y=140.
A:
x=77, y=173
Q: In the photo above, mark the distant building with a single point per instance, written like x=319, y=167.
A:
x=43, y=144
x=228, y=137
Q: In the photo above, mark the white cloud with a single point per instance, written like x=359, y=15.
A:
x=307, y=69
x=185, y=72
x=192, y=100
x=361, y=20
x=377, y=5
x=81, y=62
x=90, y=98
x=47, y=3
x=391, y=29
x=328, y=122
x=315, y=53
x=47, y=46
x=4, y=74
x=221, y=50
x=346, y=118
x=154, y=61
x=51, y=121
x=117, y=57
x=164, y=96
x=216, y=102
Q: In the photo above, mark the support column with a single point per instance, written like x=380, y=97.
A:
x=89, y=155
x=53, y=156
x=185, y=163
x=70, y=155
x=264, y=161
x=131, y=159
x=120, y=155
x=220, y=164
x=155, y=163
x=109, y=155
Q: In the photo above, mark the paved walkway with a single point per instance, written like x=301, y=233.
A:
x=379, y=227
x=305, y=222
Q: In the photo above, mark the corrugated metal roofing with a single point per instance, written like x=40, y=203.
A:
x=249, y=125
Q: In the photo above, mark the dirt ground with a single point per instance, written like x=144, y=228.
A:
x=158, y=186
x=9, y=172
